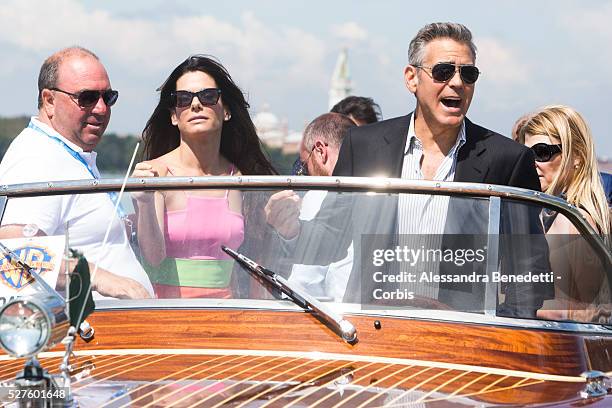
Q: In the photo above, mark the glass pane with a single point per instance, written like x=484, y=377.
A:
x=564, y=275
x=363, y=249
x=391, y=251
x=89, y=223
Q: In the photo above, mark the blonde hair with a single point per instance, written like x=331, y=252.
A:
x=578, y=175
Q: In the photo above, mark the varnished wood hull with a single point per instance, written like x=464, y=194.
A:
x=271, y=358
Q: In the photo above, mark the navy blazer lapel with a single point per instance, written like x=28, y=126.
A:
x=392, y=152
x=471, y=164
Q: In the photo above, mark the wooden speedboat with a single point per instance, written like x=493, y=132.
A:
x=261, y=349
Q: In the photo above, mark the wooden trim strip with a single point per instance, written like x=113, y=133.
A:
x=394, y=386
x=184, y=378
x=329, y=356
x=149, y=383
x=106, y=361
x=233, y=396
x=363, y=388
x=13, y=368
x=12, y=364
x=131, y=369
x=380, y=380
x=520, y=382
x=447, y=397
x=419, y=385
x=442, y=386
x=464, y=386
x=111, y=365
x=236, y=382
x=323, y=386
x=200, y=380
x=483, y=390
x=124, y=371
x=298, y=386
x=287, y=381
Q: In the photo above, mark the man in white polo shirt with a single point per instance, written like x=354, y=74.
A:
x=74, y=102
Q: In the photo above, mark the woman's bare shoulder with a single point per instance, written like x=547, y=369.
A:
x=565, y=226
x=160, y=164
x=230, y=167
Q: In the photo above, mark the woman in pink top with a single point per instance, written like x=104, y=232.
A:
x=200, y=127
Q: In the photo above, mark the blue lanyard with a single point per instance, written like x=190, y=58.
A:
x=113, y=195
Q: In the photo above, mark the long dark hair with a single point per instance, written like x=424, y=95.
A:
x=239, y=141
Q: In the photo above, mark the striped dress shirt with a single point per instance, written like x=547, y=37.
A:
x=422, y=217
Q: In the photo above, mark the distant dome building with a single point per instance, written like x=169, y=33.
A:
x=275, y=132
x=269, y=128
x=341, y=85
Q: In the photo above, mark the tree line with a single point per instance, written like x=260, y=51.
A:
x=115, y=152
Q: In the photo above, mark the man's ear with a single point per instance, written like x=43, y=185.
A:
x=320, y=149
x=48, y=103
x=411, y=78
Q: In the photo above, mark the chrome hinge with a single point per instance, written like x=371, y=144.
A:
x=598, y=384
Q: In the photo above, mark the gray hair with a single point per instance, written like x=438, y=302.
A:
x=48, y=76
x=331, y=127
x=433, y=31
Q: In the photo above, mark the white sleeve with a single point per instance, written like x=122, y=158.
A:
x=45, y=212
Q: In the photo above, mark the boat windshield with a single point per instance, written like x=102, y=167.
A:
x=362, y=251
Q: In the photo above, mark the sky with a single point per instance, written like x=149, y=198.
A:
x=282, y=53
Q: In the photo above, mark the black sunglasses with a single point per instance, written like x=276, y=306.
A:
x=444, y=71
x=88, y=98
x=544, y=152
x=207, y=97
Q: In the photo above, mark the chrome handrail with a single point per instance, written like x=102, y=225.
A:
x=377, y=184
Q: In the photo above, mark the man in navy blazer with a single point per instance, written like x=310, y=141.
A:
x=435, y=142
x=485, y=157
x=442, y=75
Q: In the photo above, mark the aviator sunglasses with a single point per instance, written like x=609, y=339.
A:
x=544, y=152
x=88, y=98
x=444, y=71
x=207, y=97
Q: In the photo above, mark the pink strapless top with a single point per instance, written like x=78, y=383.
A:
x=199, y=230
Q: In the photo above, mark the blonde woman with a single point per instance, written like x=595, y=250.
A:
x=567, y=167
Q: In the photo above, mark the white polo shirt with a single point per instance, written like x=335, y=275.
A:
x=322, y=280
x=35, y=157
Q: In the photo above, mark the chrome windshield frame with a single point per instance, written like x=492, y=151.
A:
x=336, y=184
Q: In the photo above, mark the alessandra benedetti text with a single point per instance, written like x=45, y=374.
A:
x=430, y=277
